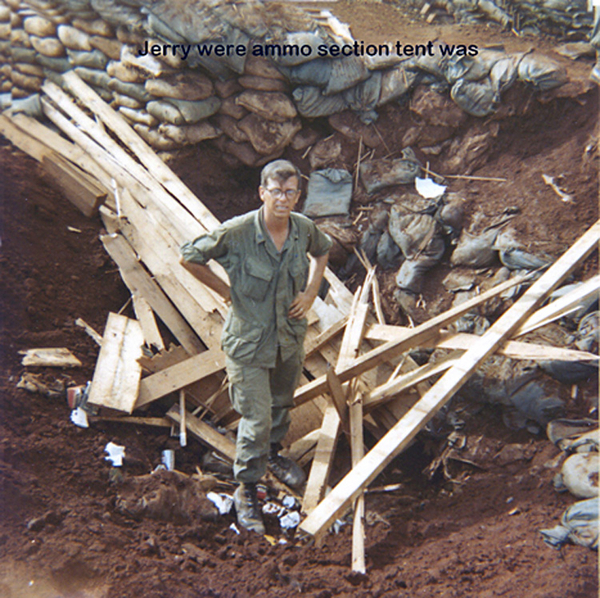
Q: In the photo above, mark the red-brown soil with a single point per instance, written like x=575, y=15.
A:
x=61, y=534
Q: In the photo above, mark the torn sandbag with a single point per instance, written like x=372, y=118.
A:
x=270, y=105
x=267, y=136
x=574, y=435
x=378, y=174
x=579, y=475
x=395, y=82
x=541, y=72
x=311, y=102
x=474, y=97
x=329, y=193
x=579, y=525
x=181, y=86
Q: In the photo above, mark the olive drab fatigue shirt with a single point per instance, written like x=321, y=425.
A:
x=264, y=282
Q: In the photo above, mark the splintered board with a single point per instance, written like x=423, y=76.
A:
x=117, y=375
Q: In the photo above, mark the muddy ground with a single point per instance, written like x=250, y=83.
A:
x=476, y=535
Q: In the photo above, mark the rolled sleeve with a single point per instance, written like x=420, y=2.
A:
x=320, y=243
x=205, y=248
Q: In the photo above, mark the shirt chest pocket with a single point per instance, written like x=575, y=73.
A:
x=256, y=278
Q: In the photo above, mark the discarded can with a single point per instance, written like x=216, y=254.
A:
x=75, y=396
x=168, y=459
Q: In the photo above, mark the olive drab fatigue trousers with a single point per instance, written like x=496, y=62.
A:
x=263, y=397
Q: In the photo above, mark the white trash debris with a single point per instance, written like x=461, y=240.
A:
x=116, y=454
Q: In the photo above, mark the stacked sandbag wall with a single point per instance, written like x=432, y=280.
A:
x=253, y=106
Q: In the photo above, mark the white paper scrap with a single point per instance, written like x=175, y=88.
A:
x=223, y=502
x=290, y=520
x=116, y=454
x=79, y=418
x=428, y=188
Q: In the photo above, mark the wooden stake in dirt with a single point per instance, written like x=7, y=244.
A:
x=407, y=428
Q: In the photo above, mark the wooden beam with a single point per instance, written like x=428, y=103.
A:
x=391, y=349
x=462, y=341
x=180, y=375
x=83, y=191
x=25, y=142
x=117, y=375
x=147, y=321
x=357, y=447
x=408, y=427
x=338, y=396
x=206, y=434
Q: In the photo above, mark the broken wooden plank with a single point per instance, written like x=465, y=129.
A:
x=391, y=349
x=147, y=321
x=116, y=379
x=180, y=375
x=206, y=434
x=357, y=449
x=140, y=283
x=89, y=330
x=408, y=427
x=25, y=142
x=158, y=422
x=53, y=357
x=83, y=191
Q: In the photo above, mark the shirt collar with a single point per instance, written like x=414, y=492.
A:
x=260, y=234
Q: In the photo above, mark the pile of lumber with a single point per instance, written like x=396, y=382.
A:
x=358, y=372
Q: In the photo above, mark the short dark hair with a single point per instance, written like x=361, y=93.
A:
x=280, y=171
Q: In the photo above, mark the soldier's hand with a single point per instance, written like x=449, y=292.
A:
x=300, y=306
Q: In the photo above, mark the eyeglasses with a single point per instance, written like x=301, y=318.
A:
x=277, y=193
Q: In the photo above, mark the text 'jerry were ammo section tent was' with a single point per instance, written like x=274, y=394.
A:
x=104, y=95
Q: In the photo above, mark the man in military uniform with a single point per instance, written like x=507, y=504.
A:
x=272, y=286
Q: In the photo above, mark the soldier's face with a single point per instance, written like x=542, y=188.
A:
x=280, y=198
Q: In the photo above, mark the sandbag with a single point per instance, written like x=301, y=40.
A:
x=325, y=152
x=165, y=112
x=389, y=255
x=133, y=90
x=153, y=138
x=262, y=83
x=363, y=98
x=311, y=102
x=345, y=73
x=125, y=36
x=329, y=193
x=378, y=174
x=139, y=116
x=93, y=60
x=73, y=38
x=395, y=82
x=299, y=39
x=4, y=14
x=417, y=235
x=579, y=475
x=231, y=108
x=109, y=46
x=117, y=13
x=231, y=128
x=477, y=98
x=189, y=134
x=475, y=251
x=181, y=86
x=162, y=30
x=107, y=96
x=504, y=73
x=48, y=46
x=95, y=27
x=259, y=66
x=29, y=69
x=39, y=26
x=5, y=30
x=192, y=112
x=124, y=100
x=227, y=88
x=587, y=336
x=465, y=67
x=244, y=152
x=528, y=405
x=316, y=73
x=124, y=73
x=95, y=77
x=266, y=136
x=28, y=82
x=60, y=65
x=579, y=525
x=383, y=60
x=18, y=37
x=541, y=72
x=149, y=65
x=26, y=55
x=270, y=105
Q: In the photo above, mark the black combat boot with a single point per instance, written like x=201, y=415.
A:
x=285, y=469
x=247, y=509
